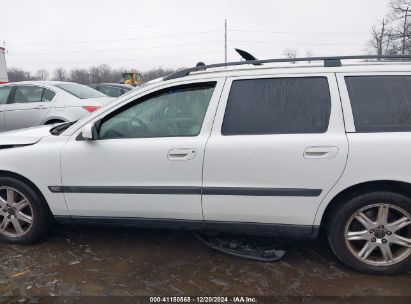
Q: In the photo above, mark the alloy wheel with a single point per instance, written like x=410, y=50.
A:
x=16, y=213
x=379, y=234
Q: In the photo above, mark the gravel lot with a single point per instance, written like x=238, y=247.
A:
x=91, y=261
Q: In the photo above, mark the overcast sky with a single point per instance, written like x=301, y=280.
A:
x=178, y=33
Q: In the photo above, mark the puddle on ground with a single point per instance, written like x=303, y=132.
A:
x=91, y=261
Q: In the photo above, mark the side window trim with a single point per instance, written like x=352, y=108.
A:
x=345, y=99
x=146, y=89
x=10, y=100
x=233, y=80
x=153, y=94
x=389, y=103
x=11, y=93
x=336, y=123
x=44, y=91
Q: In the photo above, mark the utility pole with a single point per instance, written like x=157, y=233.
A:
x=380, y=40
x=405, y=30
x=225, y=40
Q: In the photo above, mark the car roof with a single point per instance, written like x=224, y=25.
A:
x=298, y=68
x=40, y=82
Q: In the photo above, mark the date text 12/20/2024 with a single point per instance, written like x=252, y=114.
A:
x=235, y=299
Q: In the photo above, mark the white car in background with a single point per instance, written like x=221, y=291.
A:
x=33, y=103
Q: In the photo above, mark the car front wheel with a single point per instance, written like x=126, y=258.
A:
x=371, y=233
x=23, y=214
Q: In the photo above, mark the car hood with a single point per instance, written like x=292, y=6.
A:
x=23, y=137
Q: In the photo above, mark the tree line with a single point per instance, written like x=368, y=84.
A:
x=96, y=74
x=391, y=35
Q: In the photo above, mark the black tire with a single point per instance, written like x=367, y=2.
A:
x=340, y=217
x=40, y=211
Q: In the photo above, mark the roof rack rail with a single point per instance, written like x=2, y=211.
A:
x=333, y=61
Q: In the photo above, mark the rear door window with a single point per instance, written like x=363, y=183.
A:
x=4, y=94
x=26, y=94
x=380, y=103
x=278, y=106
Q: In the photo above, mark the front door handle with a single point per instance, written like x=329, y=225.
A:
x=320, y=152
x=182, y=154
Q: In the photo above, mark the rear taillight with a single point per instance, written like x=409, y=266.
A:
x=91, y=108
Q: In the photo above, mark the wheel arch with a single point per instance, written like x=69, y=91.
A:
x=361, y=188
x=4, y=173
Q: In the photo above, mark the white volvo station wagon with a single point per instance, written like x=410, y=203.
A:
x=281, y=151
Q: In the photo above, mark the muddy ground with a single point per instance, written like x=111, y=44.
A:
x=86, y=261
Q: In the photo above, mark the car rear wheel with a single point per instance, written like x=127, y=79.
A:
x=23, y=213
x=371, y=233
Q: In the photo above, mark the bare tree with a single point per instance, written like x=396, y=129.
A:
x=42, y=74
x=79, y=75
x=104, y=73
x=400, y=16
x=60, y=74
x=17, y=74
x=291, y=54
x=96, y=74
x=309, y=54
x=156, y=73
x=380, y=38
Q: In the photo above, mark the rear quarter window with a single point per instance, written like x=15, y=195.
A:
x=380, y=103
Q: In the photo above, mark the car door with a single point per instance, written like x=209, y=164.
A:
x=4, y=96
x=147, y=161
x=277, y=147
x=27, y=107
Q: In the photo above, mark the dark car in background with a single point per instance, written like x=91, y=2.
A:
x=112, y=89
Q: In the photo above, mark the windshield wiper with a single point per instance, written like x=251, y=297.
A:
x=57, y=130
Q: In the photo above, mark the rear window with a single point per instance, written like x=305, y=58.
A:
x=380, y=103
x=79, y=90
x=278, y=106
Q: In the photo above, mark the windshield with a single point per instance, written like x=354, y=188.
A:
x=79, y=90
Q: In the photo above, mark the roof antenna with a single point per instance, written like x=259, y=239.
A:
x=247, y=56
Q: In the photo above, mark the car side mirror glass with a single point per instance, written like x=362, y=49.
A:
x=89, y=132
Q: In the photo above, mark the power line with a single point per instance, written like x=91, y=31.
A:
x=115, y=50
x=300, y=33
x=225, y=40
x=296, y=43
x=115, y=40
x=119, y=60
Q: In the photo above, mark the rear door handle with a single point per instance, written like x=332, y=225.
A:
x=320, y=152
x=40, y=107
x=182, y=154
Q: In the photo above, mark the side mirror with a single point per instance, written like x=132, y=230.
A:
x=89, y=132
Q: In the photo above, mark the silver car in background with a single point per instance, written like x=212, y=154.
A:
x=33, y=103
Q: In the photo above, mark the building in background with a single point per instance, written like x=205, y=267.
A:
x=3, y=67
